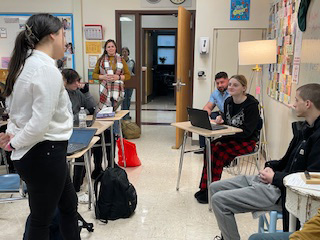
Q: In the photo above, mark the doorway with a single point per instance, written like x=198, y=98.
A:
x=159, y=56
x=153, y=79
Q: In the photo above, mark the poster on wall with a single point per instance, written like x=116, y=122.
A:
x=240, y=10
x=283, y=27
x=12, y=24
x=68, y=59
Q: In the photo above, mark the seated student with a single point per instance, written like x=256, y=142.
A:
x=263, y=192
x=310, y=231
x=78, y=99
x=240, y=110
x=217, y=98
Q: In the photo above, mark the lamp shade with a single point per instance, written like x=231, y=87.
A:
x=257, y=52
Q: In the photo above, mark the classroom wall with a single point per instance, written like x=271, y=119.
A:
x=216, y=14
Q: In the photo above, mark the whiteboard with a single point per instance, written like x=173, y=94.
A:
x=12, y=24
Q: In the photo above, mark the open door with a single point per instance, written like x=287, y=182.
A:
x=184, y=82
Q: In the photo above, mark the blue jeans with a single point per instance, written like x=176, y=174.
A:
x=127, y=101
x=270, y=236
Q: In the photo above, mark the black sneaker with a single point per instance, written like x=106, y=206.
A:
x=203, y=197
x=199, y=193
x=218, y=238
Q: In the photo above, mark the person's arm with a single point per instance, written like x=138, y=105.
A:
x=89, y=100
x=96, y=71
x=209, y=107
x=46, y=87
x=210, y=104
x=126, y=73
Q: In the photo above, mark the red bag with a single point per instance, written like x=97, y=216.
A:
x=130, y=152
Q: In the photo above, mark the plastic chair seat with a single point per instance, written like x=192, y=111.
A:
x=9, y=183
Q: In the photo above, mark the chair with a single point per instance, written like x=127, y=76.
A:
x=247, y=164
x=11, y=183
x=270, y=227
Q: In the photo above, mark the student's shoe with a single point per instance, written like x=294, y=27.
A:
x=201, y=191
x=202, y=197
x=218, y=238
x=83, y=198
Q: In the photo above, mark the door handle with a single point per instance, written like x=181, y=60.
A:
x=178, y=84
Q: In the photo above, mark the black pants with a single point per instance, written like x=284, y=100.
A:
x=45, y=171
x=78, y=174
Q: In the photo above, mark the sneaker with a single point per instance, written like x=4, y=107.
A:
x=199, y=193
x=218, y=238
x=202, y=197
x=83, y=198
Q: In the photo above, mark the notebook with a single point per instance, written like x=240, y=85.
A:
x=80, y=139
x=200, y=118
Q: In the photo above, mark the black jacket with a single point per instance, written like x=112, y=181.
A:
x=245, y=117
x=303, y=154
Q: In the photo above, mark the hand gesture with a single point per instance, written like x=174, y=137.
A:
x=266, y=175
x=219, y=120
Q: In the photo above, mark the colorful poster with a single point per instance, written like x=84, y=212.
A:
x=240, y=10
x=5, y=62
x=283, y=27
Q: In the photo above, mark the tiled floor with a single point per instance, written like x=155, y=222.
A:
x=162, y=212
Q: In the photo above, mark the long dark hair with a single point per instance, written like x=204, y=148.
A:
x=38, y=26
x=105, y=51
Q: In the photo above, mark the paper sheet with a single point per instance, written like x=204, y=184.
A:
x=296, y=180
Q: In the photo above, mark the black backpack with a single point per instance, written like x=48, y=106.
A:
x=117, y=197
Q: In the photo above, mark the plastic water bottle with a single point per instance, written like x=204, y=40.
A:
x=82, y=118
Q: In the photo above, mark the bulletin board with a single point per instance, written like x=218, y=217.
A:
x=12, y=24
x=284, y=28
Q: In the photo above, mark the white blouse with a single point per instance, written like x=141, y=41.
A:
x=39, y=106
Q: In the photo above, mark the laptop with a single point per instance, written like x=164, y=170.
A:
x=80, y=139
x=200, y=118
x=117, y=104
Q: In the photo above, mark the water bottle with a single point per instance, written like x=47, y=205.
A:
x=82, y=118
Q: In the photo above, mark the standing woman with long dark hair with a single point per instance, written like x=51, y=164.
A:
x=40, y=125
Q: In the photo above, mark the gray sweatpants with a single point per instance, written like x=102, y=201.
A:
x=241, y=194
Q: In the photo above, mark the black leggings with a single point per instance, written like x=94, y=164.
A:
x=45, y=171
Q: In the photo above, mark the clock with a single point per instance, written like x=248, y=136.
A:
x=177, y=1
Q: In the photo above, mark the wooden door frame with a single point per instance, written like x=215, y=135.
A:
x=138, y=30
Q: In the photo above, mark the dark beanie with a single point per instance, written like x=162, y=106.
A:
x=302, y=14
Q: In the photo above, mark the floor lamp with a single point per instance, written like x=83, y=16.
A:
x=258, y=53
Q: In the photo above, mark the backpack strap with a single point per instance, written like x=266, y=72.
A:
x=96, y=208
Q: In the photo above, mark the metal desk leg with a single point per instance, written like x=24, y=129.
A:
x=88, y=169
x=104, y=150
x=181, y=158
x=292, y=222
x=209, y=176
x=122, y=146
x=112, y=146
